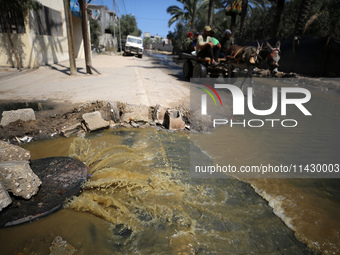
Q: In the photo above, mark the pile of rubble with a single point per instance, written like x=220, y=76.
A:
x=137, y=116
x=16, y=175
x=21, y=126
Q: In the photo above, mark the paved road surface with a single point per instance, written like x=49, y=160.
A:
x=126, y=79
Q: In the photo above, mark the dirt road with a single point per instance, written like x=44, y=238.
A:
x=125, y=79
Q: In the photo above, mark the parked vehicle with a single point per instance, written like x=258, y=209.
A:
x=134, y=46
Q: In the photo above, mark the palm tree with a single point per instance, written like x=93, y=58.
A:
x=277, y=23
x=243, y=18
x=210, y=12
x=232, y=9
x=302, y=18
x=188, y=13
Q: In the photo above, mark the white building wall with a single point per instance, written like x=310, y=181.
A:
x=35, y=49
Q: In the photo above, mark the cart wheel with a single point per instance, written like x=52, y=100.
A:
x=188, y=69
x=200, y=71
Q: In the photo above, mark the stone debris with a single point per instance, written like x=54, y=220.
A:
x=18, y=178
x=5, y=199
x=173, y=120
x=94, y=121
x=158, y=114
x=114, y=112
x=21, y=114
x=61, y=247
x=73, y=129
x=136, y=113
x=16, y=175
x=9, y=152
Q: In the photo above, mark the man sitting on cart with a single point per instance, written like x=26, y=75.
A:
x=187, y=45
x=226, y=42
x=206, y=48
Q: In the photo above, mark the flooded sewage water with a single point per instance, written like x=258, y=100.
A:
x=141, y=199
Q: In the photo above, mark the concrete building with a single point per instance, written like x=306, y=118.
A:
x=107, y=19
x=40, y=37
x=153, y=38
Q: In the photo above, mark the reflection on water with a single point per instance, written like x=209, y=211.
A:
x=310, y=207
x=141, y=199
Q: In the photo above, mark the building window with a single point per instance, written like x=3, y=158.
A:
x=15, y=22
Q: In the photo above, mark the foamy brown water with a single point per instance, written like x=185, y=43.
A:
x=141, y=199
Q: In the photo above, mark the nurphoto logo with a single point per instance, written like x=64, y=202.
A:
x=238, y=108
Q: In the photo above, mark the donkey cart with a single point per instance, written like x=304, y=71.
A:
x=194, y=67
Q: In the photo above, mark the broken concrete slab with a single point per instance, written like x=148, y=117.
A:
x=114, y=111
x=94, y=121
x=73, y=129
x=18, y=178
x=5, y=199
x=9, y=152
x=158, y=114
x=136, y=113
x=173, y=120
x=21, y=114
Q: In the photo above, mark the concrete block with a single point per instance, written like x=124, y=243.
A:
x=136, y=113
x=158, y=114
x=173, y=120
x=73, y=129
x=94, y=121
x=9, y=152
x=5, y=199
x=114, y=112
x=18, y=178
x=21, y=114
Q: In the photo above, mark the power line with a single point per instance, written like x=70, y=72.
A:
x=124, y=7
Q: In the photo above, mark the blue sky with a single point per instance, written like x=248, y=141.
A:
x=151, y=15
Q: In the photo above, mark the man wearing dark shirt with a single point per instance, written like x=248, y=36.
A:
x=226, y=42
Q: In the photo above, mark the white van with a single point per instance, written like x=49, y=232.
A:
x=134, y=45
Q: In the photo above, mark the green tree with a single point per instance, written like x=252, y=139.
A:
x=277, y=23
x=189, y=12
x=8, y=9
x=177, y=36
x=128, y=26
x=302, y=18
x=96, y=32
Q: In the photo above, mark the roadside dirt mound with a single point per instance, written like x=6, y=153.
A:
x=49, y=123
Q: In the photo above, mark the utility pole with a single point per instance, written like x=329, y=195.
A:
x=85, y=36
x=120, y=35
x=114, y=24
x=70, y=39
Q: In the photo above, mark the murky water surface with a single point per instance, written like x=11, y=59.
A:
x=310, y=207
x=140, y=199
